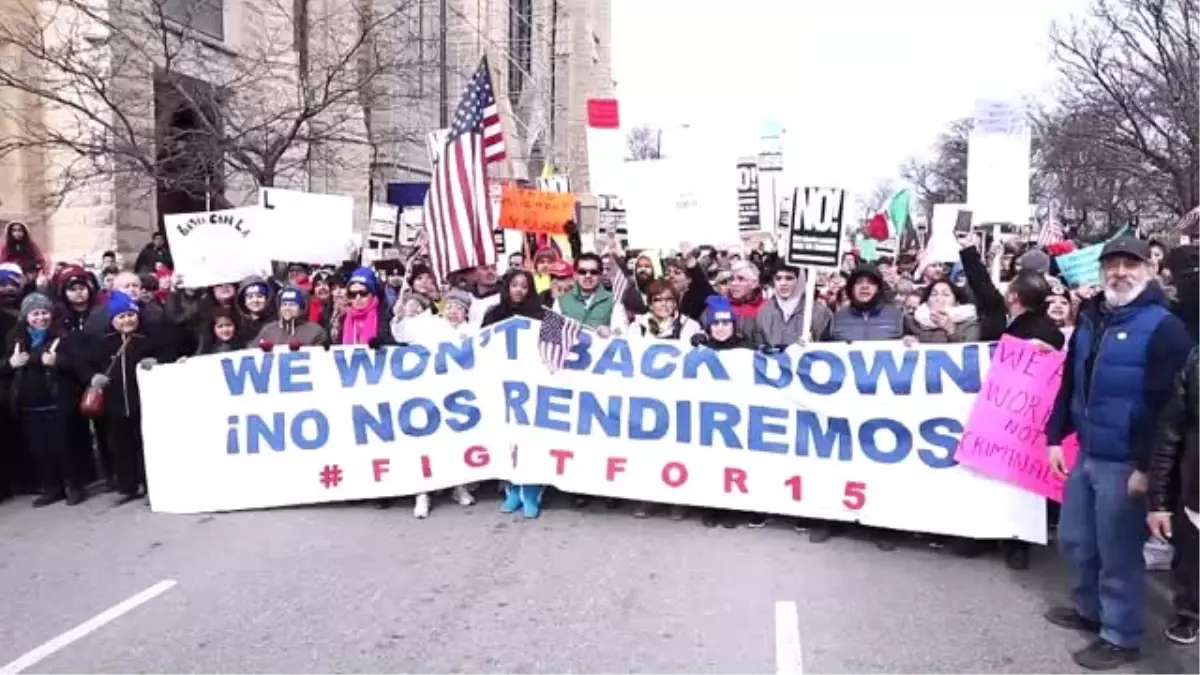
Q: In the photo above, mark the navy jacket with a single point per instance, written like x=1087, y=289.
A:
x=1118, y=374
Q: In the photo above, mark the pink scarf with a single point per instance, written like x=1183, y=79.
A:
x=361, y=325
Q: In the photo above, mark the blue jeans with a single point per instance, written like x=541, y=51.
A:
x=1101, y=531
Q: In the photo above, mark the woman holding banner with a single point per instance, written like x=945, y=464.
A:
x=518, y=297
x=664, y=322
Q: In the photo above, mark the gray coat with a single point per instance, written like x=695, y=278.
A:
x=768, y=327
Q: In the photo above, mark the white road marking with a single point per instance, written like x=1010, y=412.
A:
x=38, y=654
x=788, y=658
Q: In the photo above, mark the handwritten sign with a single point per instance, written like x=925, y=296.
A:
x=1005, y=434
x=217, y=247
x=537, y=211
x=1082, y=267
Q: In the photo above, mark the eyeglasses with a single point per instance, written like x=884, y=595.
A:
x=357, y=294
x=588, y=272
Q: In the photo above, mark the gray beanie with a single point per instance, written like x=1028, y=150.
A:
x=460, y=296
x=1035, y=259
x=35, y=301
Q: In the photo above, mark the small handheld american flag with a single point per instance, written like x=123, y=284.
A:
x=556, y=337
x=1051, y=233
x=617, y=280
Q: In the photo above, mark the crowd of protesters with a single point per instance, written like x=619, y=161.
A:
x=74, y=337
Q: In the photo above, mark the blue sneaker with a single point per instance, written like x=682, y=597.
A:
x=531, y=498
x=512, y=499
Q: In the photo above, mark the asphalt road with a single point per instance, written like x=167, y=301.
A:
x=349, y=588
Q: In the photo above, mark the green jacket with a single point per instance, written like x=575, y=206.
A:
x=594, y=315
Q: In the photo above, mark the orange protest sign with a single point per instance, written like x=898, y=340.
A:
x=536, y=211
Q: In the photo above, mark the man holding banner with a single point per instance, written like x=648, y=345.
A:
x=1121, y=361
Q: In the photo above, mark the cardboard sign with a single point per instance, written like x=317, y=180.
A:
x=1004, y=437
x=536, y=211
x=816, y=233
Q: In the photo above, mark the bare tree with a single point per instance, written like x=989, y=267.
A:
x=143, y=90
x=643, y=142
x=873, y=200
x=941, y=177
x=1128, y=102
x=1091, y=185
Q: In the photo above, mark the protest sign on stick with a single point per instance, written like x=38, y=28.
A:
x=1005, y=434
x=536, y=211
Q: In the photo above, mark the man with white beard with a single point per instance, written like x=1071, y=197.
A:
x=1121, y=361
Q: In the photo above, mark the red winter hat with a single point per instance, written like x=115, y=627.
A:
x=70, y=273
x=561, y=269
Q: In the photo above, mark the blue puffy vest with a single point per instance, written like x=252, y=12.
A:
x=1104, y=410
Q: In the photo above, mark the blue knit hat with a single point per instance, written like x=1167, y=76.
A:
x=10, y=273
x=366, y=277
x=719, y=309
x=293, y=295
x=119, y=303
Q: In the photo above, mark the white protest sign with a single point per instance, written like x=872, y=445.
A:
x=998, y=176
x=816, y=234
x=382, y=226
x=862, y=432
x=307, y=227
x=218, y=247
x=942, y=245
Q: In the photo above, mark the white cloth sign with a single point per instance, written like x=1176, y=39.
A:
x=218, y=247
x=308, y=227
x=860, y=432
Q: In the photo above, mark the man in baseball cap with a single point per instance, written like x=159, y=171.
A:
x=1121, y=361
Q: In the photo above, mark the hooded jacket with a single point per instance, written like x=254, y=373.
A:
x=251, y=324
x=282, y=332
x=530, y=307
x=874, y=320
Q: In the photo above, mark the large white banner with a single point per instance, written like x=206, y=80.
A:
x=850, y=432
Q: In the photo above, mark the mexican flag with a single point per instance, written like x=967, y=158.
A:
x=891, y=220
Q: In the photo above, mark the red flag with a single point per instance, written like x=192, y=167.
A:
x=602, y=113
x=877, y=227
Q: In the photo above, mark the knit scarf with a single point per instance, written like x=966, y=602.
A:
x=360, y=326
x=668, y=329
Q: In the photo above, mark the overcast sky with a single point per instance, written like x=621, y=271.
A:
x=859, y=84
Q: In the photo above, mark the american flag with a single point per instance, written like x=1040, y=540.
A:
x=459, y=218
x=556, y=337
x=617, y=281
x=1051, y=233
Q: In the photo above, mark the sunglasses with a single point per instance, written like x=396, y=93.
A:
x=588, y=272
x=357, y=294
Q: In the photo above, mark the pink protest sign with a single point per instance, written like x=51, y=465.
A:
x=1005, y=434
